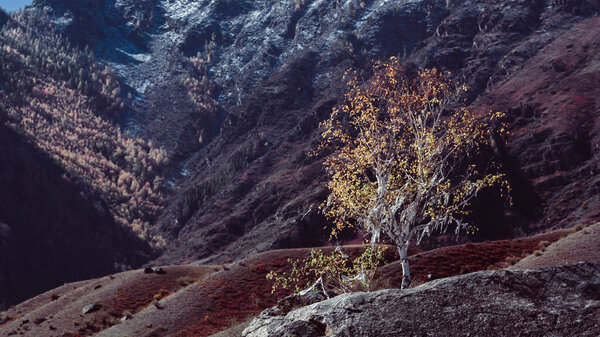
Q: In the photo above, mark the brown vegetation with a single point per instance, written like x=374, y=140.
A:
x=227, y=295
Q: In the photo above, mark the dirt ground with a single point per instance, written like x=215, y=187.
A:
x=583, y=245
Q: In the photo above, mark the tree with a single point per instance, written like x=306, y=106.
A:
x=403, y=162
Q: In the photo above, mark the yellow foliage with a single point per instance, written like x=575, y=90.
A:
x=335, y=272
x=402, y=161
x=45, y=98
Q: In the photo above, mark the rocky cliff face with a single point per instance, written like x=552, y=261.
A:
x=554, y=109
x=561, y=301
x=277, y=68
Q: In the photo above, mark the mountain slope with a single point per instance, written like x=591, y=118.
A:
x=243, y=182
x=49, y=233
x=553, y=102
x=202, y=300
x=64, y=166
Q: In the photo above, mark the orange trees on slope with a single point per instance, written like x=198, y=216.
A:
x=64, y=103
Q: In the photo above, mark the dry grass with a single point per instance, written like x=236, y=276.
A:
x=185, y=281
x=467, y=258
x=219, y=300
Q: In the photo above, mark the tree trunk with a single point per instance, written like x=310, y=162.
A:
x=402, y=250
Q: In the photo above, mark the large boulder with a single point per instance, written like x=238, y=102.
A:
x=561, y=301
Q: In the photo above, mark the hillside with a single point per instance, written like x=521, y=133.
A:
x=74, y=188
x=203, y=300
x=43, y=241
x=242, y=182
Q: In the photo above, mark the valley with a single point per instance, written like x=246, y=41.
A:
x=179, y=133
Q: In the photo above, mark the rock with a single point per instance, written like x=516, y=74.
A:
x=90, y=308
x=292, y=302
x=158, y=270
x=4, y=319
x=561, y=301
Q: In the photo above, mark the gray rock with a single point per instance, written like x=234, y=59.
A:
x=90, y=308
x=292, y=302
x=4, y=319
x=562, y=301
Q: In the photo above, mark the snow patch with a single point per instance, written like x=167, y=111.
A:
x=63, y=21
x=180, y=9
x=142, y=89
x=137, y=57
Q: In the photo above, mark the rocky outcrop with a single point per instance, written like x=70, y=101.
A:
x=562, y=301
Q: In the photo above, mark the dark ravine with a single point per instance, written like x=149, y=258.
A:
x=277, y=68
x=558, y=301
x=49, y=233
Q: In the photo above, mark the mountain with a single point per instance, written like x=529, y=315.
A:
x=263, y=74
x=178, y=131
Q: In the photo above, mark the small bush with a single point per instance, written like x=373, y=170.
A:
x=511, y=260
x=160, y=295
x=185, y=281
x=335, y=272
x=544, y=244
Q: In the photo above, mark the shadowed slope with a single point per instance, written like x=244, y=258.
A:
x=553, y=104
x=43, y=241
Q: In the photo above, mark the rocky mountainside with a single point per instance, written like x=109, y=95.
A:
x=234, y=92
x=562, y=301
x=241, y=180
